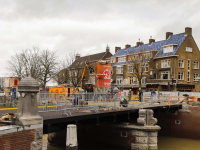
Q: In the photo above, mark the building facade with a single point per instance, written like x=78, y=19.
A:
x=172, y=64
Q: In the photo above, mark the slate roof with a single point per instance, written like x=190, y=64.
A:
x=174, y=39
x=119, y=63
x=90, y=58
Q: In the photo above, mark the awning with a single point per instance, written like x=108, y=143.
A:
x=152, y=85
x=185, y=85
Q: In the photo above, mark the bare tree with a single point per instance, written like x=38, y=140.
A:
x=71, y=69
x=35, y=63
x=25, y=64
x=48, y=63
x=139, y=64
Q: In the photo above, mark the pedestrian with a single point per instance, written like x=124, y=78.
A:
x=129, y=95
x=153, y=93
x=140, y=95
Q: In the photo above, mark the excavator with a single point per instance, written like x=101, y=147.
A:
x=87, y=86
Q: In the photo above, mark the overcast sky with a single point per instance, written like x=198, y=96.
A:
x=87, y=26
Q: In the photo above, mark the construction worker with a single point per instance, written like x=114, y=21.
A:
x=129, y=94
x=140, y=95
x=153, y=93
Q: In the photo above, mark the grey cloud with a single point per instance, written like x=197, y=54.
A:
x=87, y=26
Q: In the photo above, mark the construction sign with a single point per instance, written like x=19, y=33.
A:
x=103, y=74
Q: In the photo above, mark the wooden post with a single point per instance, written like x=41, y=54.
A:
x=71, y=141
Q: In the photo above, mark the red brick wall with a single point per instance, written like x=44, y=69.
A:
x=189, y=126
x=17, y=140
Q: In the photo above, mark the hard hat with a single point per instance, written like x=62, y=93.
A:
x=139, y=88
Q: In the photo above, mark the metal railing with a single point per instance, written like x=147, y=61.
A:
x=90, y=102
x=93, y=102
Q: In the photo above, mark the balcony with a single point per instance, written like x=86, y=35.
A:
x=159, y=81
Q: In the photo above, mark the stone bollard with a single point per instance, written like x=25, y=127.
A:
x=71, y=142
x=27, y=114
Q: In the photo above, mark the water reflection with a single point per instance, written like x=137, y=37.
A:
x=164, y=143
x=172, y=143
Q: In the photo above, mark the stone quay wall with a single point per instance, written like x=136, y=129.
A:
x=21, y=138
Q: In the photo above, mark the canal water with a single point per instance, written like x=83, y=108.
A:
x=164, y=143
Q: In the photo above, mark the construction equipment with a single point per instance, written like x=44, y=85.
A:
x=91, y=69
x=84, y=73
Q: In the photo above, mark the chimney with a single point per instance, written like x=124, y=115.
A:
x=168, y=34
x=77, y=56
x=127, y=46
x=138, y=44
x=117, y=48
x=188, y=31
x=151, y=41
x=107, y=48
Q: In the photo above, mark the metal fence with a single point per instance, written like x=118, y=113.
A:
x=70, y=103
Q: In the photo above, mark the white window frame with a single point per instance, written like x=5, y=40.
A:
x=180, y=75
x=196, y=64
x=146, y=67
x=130, y=69
x=195, y=75
x=136, y=81
x=168, y=49
x=165, y=63
x=131, y=80
x=181, y=63
x=122, y=59
x=119, y=80
x=70, y=73
x=75, y=73
x=119, y=69
x=165, y=72
x=188, y=49
x=143, y=80
x=188, y=76
x=189, y=64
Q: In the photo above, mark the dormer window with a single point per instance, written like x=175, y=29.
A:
x=169, y=48
x=122, y=59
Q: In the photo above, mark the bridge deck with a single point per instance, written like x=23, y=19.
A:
x=57, y=117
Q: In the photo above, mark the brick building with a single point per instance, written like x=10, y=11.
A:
x=73, y=74
x=174, y=58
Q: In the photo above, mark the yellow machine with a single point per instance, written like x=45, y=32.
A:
x=63, y=89
x=84, y=73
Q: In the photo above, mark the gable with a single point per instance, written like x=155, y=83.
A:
x=189, y=42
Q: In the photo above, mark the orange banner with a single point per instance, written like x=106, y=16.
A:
x=103, y=74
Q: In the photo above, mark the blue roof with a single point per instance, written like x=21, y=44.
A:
x=119, y=63
x=174, y=39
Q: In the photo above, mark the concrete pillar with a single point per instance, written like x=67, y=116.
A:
x=71, y=142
